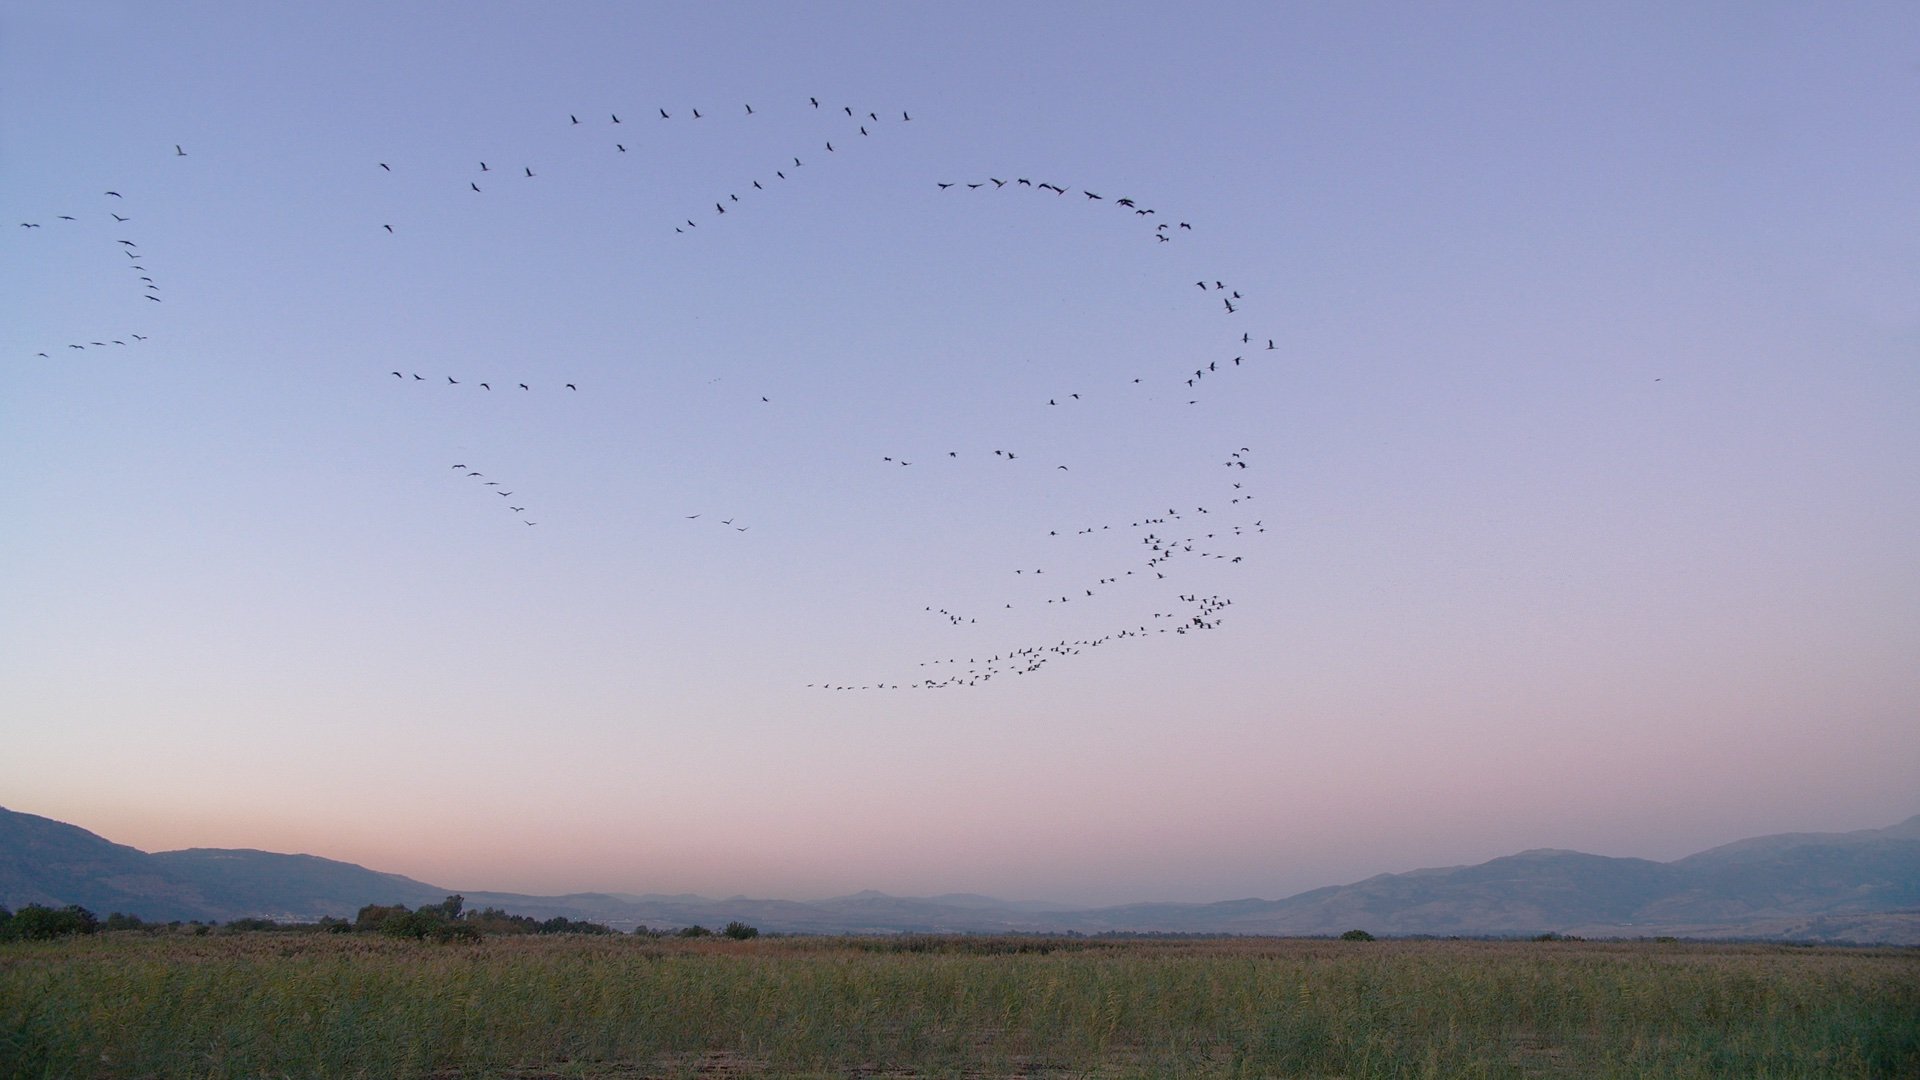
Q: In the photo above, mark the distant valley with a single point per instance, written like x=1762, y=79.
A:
x=1856, y=886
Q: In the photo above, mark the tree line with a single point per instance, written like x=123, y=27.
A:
x=447, y=921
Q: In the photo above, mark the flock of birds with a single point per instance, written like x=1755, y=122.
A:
x=105, y=241
x=1162, y=231
x=1162, y=538
x=857, y=125
x=1165, y=544
x=475, y=474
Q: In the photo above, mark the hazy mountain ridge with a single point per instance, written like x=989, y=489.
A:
x=1862, y=885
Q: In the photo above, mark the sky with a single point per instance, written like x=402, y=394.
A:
x=1483, y=427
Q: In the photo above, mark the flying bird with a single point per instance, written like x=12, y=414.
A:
x=177, y=152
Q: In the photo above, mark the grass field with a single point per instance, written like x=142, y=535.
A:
x=313, y=1005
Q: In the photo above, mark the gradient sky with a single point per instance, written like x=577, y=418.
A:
x=1580, y=505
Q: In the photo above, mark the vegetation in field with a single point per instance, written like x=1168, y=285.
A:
x=375, y=1005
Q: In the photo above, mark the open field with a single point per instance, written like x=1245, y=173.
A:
x=305, y=1005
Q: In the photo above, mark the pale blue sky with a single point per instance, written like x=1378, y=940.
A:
x=1581, y=475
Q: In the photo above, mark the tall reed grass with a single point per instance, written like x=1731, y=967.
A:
x=273, y=1005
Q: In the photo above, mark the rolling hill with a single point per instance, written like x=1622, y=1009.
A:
x=1854, y=886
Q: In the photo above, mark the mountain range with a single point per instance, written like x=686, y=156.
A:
x=1859, y=886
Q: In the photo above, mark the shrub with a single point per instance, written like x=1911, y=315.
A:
x=696, y=930
x=740, y=931
x=560, y=924
x=1356, y=935
x=36, y=922
x=374, y=916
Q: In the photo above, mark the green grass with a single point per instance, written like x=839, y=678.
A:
x=270, y=1005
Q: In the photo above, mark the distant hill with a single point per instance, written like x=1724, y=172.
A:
x=1854, y=886
x=298, y=886
x=43, y=861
